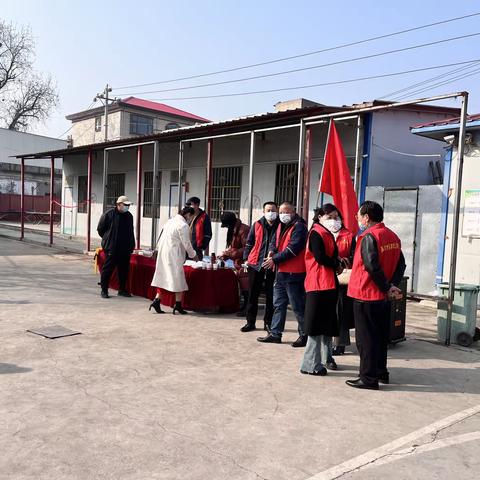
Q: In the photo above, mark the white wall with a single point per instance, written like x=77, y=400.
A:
x=391, y=129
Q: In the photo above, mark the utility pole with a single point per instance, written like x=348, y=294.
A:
x=104, y=97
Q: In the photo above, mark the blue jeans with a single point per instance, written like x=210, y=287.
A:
x=317, y=353
x=288, y=288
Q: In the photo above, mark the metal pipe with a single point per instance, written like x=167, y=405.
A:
x=139, y=194
x=105, y=179
x=250, y=177
x=22, y=199
x=208, y=137
x=357, y=155
x=339, y=119
x=324, y=158
x=89, y=200
x=282, y=127
x=301, y=159
x=456, y=216
x=180, y=175
x=209, y=178
x=52, y=187
x=130, y=145
x=155, y=199
x=306, y=172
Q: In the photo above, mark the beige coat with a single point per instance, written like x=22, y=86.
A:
x=172, y=248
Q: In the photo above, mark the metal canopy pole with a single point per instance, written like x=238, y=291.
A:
x=456, y=217
x=52, y=186
x=209, y=179
x=89, y=200
x=139, y=194
x=155, y=199
x=301, y=155
x=22, y=199
x=307, y=172
x=250, y=177
x=105, y=179
x=180, y=175
x=357, y=154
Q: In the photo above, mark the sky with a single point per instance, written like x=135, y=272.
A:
x=87, y=44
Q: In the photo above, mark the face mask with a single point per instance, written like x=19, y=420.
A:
x=271, y=216
x=362, y=227
x=285, y=218
x=125, y=208
x=332, y=225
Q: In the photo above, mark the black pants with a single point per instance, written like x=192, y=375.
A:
x=255, y=282
x=371, y=333
x=113, y=260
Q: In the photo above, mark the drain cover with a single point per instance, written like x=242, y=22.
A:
x=55, y=331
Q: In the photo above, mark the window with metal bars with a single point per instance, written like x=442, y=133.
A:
x=286, y=183
x=226, y=191
x=115, y=187
x=82, y=194
x=148, y=194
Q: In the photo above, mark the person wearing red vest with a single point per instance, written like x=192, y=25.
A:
x=378, y=267
x=321, y=285
x=255, y=253
x=200, y=227
x=287, y=256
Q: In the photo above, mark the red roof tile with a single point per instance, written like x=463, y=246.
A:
x=161, y=107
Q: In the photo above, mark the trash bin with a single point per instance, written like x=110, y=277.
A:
x=464, y=314
x=398, y=309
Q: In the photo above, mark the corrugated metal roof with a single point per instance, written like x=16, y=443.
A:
x=447, y=121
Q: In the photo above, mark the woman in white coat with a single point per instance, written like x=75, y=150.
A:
x=173, y=246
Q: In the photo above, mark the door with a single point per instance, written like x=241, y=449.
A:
x=173, y=199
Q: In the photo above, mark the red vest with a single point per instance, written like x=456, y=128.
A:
x=319, y=277
x=361, y=286
x=255, y=251
x=295, y=264
x=199, y=229
x=344, y=243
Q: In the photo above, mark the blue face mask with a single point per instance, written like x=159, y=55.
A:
x=361, y=228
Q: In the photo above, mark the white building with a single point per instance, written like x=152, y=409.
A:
x=130, y=117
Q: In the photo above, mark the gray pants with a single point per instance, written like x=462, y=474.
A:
x=317, y=353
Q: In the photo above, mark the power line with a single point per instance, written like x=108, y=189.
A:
x=71, y=126
x=339, y=62
x=338, y=82
x=301, y=55
x=428, y=80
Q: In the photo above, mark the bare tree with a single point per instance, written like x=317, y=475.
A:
x=25, y=96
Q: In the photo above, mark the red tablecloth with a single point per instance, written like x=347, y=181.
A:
x=208, y=290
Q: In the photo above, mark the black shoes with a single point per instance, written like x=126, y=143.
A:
x=319, y=373
x=385, y=378
x=332, y=365
x=156, y=306
x=338, y=351
x=301, y=341
x=358, y=383
x=178, y=308
x=269, y=339
x=248, y=327
x=104, y=294
x=123, y=293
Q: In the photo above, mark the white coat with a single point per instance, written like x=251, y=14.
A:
x=174, y=243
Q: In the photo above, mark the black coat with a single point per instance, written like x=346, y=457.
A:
x=108, y=228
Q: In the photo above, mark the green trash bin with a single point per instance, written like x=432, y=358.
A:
x=464, y=314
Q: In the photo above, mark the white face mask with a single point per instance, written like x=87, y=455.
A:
x=333, y=225
x=271, y=216
x=285, y=218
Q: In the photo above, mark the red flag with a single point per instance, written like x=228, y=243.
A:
x=336, y=180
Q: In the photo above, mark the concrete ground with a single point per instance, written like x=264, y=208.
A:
x=140, y=396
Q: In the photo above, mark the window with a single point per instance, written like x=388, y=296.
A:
x=226, y=191
x=115, y=188
x=286, y=183
x=98, y=124
x=82, y=194
x=172, y=125
x=148, y=194
x=140, y=125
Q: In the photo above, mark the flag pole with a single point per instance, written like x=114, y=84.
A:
x=323, y=163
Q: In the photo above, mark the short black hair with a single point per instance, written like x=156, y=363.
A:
x=194, y=200
x=270, y=203
x=187, y=210
x=373, y=209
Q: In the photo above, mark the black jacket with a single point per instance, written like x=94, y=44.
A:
x=109, y=226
